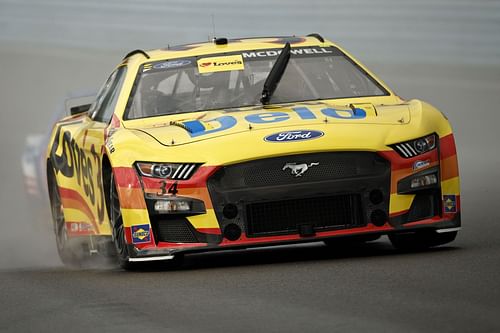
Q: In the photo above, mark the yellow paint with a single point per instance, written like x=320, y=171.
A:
x=367, y=107
x=208, y=220
x=388, y=120
x=134, y=216
x=451, y=186
x=400, y=202
x=75, y=215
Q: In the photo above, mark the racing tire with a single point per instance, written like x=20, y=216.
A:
x=72, y=254
x=118, y=230
x=350, y=240
x=421, y=240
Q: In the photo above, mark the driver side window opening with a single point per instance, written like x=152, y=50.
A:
x=103, y=108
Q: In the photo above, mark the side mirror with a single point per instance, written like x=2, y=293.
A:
x=79, y=109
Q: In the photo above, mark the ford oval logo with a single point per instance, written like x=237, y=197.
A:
x=298, y=135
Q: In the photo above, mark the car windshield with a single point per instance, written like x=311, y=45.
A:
x=236, y=80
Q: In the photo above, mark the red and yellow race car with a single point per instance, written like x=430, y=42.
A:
x=235, y=143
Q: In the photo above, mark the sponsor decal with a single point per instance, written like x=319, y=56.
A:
x=80, y=228
x=299, y=169
x=141, y=233
x=221, y=64
x=109, y=144
x=294, y=51
x=299, y=135
x=421, y=164
x=72, y=161
x=450, y=203
x=199, y=127
x=172, y=64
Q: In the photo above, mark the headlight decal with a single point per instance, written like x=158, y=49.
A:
x=416, y=147
x=406, y=149
x=173, y=171
x=183, y=171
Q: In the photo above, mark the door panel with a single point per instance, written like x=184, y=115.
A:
x=77, y=160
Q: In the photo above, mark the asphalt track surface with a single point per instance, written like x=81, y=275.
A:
x=454, y=288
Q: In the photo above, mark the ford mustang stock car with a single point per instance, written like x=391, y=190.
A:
x=235, y=143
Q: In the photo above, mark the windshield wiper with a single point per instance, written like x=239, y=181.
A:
x=275, y=74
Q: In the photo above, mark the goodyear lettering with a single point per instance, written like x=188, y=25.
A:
x=198, y=128
x=74, y=162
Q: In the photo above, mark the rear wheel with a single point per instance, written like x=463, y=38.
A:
x=421, y=239
x=72, y=253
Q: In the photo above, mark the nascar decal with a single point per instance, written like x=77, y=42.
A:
x=198, y=127
x=221, y=64
x=141, y=233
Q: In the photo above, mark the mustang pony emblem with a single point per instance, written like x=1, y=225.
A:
x=299, y=169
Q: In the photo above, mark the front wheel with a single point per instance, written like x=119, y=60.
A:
x=118, y=230
x=120, y=244
x=419, y=240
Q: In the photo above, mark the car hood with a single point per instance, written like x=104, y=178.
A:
x=191, y=127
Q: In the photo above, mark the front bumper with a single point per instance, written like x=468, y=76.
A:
x=255, y=188
x=168, y=253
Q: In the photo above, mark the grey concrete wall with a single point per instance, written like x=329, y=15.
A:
x=443, y=31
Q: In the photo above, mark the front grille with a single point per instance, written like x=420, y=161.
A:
x=270, y=198
x=320, y=167
x=285, y=217
x=174, y=230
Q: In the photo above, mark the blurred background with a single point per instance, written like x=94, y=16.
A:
x=446, y=52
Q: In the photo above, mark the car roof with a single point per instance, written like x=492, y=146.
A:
x=232, y=45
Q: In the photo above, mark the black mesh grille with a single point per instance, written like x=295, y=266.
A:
x=273, y=198
x=176, y=230
x=319, y=167
x=284, y=217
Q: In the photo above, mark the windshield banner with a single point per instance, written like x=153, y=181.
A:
x=220, y=64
